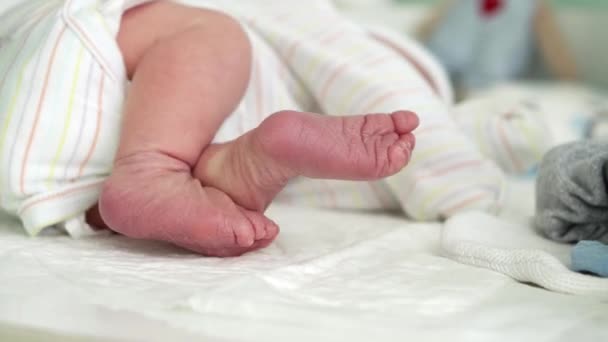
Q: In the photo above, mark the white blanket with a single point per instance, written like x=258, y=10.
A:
x=333, y=276
x=518, y=251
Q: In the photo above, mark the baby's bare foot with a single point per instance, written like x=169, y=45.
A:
x=255, y=167
x=153, y=196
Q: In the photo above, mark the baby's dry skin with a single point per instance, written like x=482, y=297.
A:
x=169, y=183
x=218, y=210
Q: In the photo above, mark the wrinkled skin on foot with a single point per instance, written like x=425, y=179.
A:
x=217, y=208
x=255, y=167
x=152, y=196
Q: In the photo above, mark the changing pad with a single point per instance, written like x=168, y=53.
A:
x=330, y=275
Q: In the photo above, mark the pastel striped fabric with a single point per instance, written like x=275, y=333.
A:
x=62, y=83
x=308, y=57
x=509, y=129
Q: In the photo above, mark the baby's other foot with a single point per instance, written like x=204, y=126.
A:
x=255, y=167
x=153, y=196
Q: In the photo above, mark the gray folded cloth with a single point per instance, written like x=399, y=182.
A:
x=572, y=192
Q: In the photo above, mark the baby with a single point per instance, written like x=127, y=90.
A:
x=170, y=183
x=155, y=162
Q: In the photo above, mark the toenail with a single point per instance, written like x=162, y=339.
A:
x=406, y=146
x=412, y=119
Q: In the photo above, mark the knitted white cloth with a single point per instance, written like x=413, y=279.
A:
x=516, y=250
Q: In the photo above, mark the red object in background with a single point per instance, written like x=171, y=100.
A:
x=491, y=7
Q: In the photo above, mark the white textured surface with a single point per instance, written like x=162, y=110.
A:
x=511, y=245
x=330, y=276
x=481, y=240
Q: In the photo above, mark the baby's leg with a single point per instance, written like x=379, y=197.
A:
x=187, y=77
x=255, y=167
x=189, y=69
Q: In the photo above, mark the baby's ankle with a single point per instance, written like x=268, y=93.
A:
x=147, y=160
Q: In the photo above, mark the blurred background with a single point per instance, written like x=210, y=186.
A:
x=582, y=25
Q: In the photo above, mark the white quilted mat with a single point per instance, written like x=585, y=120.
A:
x=330, y=276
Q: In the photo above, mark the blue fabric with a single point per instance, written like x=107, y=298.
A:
x=590, y=256
x=481, y=51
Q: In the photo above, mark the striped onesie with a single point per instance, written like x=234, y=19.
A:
x=63, y=84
